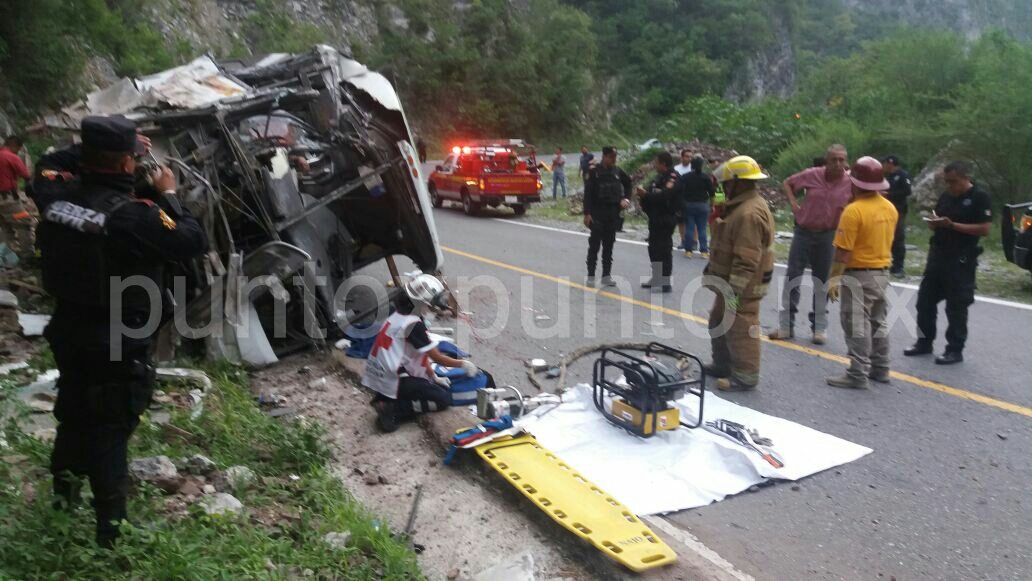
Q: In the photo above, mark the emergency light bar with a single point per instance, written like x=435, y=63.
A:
x=489, y=146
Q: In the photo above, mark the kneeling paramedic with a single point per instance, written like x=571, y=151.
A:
x=398, y=368
x=741, y=258
x=95, y=230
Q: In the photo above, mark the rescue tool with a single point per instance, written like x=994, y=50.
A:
x=641, y=391
x=576, y=504
x=750, y=439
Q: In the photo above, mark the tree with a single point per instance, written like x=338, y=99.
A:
x=989, y=117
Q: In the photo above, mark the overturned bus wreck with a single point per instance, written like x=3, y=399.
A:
x=302, y=169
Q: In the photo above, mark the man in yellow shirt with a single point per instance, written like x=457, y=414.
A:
x=860, y=272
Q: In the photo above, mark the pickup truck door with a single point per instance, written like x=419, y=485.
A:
x=447, y=183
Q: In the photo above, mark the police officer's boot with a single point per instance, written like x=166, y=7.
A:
x=110, y=514
x=922, y=347
x=653, y=281
x=950, y=357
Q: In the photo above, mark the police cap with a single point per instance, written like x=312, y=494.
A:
x=115, y=134
x=894, y=160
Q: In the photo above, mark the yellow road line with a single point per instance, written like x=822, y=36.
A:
x=942, y=388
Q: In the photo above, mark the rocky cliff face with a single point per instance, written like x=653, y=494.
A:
x=969, y=17
x=218, y=25
x=773, y=72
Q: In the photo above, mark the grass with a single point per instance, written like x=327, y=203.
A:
x=296, y=503
x=996, y=277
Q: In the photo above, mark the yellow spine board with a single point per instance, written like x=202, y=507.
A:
x=575, y=503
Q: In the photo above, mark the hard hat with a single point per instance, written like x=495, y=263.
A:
x=742, y=167
x=867, y=174
x=424, y=289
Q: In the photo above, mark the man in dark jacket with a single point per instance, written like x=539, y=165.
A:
x=899, y=192
x=606, y=193
x=659, y=202
x=961, y=218
x=586, y=157
x=697, y=192
x=103, y=230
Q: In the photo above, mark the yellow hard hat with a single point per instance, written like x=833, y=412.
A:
x=742, y=167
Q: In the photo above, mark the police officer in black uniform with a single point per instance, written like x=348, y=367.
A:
x=659, y=202
x=100, y=229
x=962, y=216
x=606, y=193
x=899, y=192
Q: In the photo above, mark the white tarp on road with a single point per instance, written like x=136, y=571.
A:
x=681, y=469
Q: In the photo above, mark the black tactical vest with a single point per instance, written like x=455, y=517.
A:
x=76, y=252
x=610, y=190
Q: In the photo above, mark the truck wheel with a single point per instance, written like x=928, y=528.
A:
x=434, y=198
x=468, y=206
x=520, y=209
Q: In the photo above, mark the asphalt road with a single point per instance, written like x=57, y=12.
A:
x=943, y=495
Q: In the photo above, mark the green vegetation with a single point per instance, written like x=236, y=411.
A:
x=273, y=29
x=566, y=71
x=912, y=93
x=45, y=45
x=996, y=276
x=296, y=511
x=494, y=70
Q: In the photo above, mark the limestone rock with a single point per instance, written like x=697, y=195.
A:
x=153, y=469
x=337, y=541
x=221, y=503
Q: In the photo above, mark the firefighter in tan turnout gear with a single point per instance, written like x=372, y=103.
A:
x=742, y=261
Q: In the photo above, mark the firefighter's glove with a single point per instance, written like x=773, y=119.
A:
x=732, y=301
x=835, y=281
x=442, y=381
x=470, y=369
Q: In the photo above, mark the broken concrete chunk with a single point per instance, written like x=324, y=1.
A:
x=42, y=402
x=9, y=367
x=338, y=541
x=7, y=299
x=32, y=325
x=221, y=503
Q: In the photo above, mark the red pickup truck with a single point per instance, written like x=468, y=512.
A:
x=486, y=173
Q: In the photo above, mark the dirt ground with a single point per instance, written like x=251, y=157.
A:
x=465, y=524
x=469, y=518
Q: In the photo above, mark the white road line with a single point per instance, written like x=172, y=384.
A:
x=979, y=298
x=696, y=546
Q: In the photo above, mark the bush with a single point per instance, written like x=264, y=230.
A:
x=799, y=154
x=272, y=29
x=759, y=130
x=38, y=542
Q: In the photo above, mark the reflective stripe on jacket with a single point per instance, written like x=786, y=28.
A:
x=740, y=252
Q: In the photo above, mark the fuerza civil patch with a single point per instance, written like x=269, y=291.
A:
x=76, y=217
